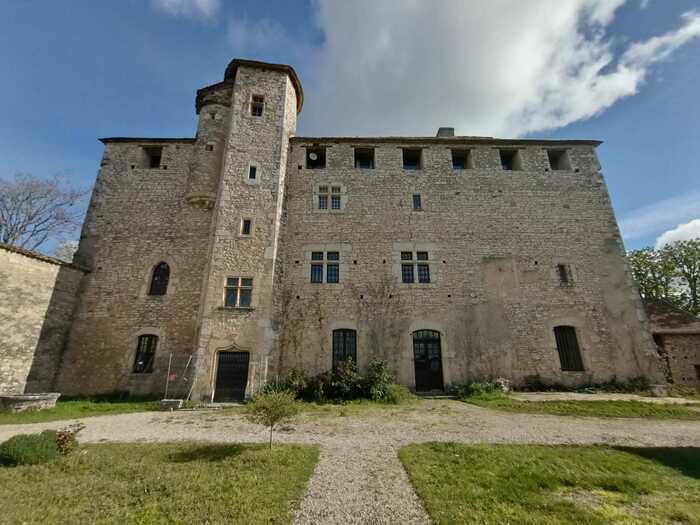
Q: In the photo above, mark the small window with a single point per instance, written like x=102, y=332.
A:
x=364, y=158
x=256, y=105
x=564, y=273
x=460, y=159
x=323, y=202
x=659, y=340
x=332, y=264
x=316, y=273
x=154, y=155
x=423, y=273
x=238, y=292
x=252, y=172
x=159, y=279
x=335, y=202
x=509, y=159
x=209, y=147
x=212, y=115
x=568, y=349
x=344, y=346
x=246, y=226
x=406, y=256
x=145, y=354
x=315, y=158
x=316, y=256
x=412, y=159
x=407, y=275
x=415, y=264
x=558, y=159
x=417, y=202
x=422, y=256
x=332, y=273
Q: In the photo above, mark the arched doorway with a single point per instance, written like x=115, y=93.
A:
x=427, y=358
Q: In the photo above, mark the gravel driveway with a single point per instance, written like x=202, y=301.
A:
x=359, y=478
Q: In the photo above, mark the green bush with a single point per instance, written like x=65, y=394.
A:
x=397, y=394
x=272, y=409
x=477, y=388
x=29, y=449
x=377, y=381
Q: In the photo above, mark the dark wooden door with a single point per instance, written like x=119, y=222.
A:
x=427, y=355
x=231, y=376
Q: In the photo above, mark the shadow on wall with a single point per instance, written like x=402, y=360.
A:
x=55, y=330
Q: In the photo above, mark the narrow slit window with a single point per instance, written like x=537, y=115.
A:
x=159, y=279
x=252, y=172
x=364, y=158
x=315, y=158
x=460, y=159
x=564, y=273
x=412, y=159
x=246, y=227
x=417, y=202
x=568, y=349
x=257, y=104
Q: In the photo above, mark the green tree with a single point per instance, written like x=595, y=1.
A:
x=272, y=409
x=654, y=272
x=685, y=256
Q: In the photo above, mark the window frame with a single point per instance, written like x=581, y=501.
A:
x=145, y=366
x=417, y=202
x=511, y=154
x=239, y=289
x=341, y=337
x=467, y=158
x=371, y=158
x=148, y=151
x=419, y=263
x=255, y=104
x=317, y=164
x=570, y=355
x=409, y=167
x=158, y=285
x=243, y=232
x=321, y=262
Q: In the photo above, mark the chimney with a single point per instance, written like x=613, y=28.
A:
x=445, y=132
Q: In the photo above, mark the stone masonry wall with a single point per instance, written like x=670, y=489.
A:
x=494, y=239
x=37, y=299
x=683, y=351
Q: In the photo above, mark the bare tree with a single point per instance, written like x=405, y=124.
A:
x=33, y=210
x=65, y=250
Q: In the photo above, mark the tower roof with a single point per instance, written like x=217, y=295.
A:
x=232, y=69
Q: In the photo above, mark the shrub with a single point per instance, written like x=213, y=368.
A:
x=66, y=438
x=272, y=409
x=346, y=382
x=377, y=381
x=276, y=385
x=29, y=449
x=481, y=388
x=397, y=394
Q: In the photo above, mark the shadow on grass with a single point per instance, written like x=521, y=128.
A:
x=685, y=460
x=210, y=453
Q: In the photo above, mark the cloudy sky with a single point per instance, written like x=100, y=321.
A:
x=625, y=72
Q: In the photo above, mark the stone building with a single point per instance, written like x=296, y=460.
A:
x=677, y=335
x=247, y=251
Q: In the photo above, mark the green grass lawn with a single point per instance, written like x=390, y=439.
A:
x=587, y=408
x=537, y=484
x=73, y=409
x=160, y=483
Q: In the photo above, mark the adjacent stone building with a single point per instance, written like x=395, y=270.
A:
x=219, y=261
x=677, y=335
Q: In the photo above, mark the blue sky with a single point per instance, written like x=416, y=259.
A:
x=625, y=72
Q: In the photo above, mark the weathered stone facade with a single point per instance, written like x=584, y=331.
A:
x=677, y=335
x=491, y=238
x=37, y=298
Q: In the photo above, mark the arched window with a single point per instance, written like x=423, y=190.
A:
x=344, y=346
x=567, y=347
x=159, y=279
x=145, y=354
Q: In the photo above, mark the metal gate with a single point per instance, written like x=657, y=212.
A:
x=427, y=354
x=231, y=376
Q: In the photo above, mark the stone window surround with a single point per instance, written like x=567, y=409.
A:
x=252, y=227
x=582, y=336
x=224, y=282
x=343, y=197
x=345, y=257
x=573, y=274
x=134, y=342
x=258, y=173
x=414, y=247
x=429, y=324
x=149, y=265
x=250, y=105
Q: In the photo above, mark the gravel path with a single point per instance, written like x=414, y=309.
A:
x=359, y=479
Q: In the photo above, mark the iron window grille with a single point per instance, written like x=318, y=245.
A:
x=145, y=354
x=238, y=292
x=568, y=349
x=344, y=347
x=417, y=202
x=159, y=279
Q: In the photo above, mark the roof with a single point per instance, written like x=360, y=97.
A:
x=232, y=69
x=39, y=256
x=666, y=318
x=450, y=140
x=186, y=140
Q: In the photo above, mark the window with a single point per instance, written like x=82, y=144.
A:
x=509, y=159
x=412, y=159
x=257, y=104
x=697, y=371
x=238, y=292
x=145, y=354
x=209, y=147
x=154, y=155
x=564, y=273
x=159, y=279
x=416, y=202
x=412, y=265
x=460, y=159
x=344, y=346
x=558, y=159
x=315, y=158
x=246, y=226
x=323, y=202
x=364, y=158
x=252, y=172
x=567, y=347
x=332, y=264
x=329, y=197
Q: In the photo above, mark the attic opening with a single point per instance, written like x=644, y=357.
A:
x=154, y=155
x=558, y=159
x=364, y=158
x=461, y=159
x=315, y=158
x=412, y=158
x=510, y=159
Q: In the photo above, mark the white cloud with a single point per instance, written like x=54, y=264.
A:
x=501, y=68
x=682, y=232
x=651, y=219
x=265, y=39
x=202, y=10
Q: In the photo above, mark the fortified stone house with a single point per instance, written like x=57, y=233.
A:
x=247, y=251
